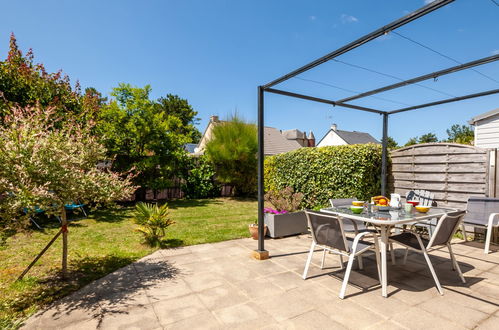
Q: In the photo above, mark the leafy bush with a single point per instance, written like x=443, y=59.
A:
x=285, y=200
x=233, y=149
x=326, y=172
x=199, y=179
x=153, y=220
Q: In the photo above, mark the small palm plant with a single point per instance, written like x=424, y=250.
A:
x=153, y=220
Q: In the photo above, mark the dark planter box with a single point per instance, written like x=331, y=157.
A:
x=280, y=225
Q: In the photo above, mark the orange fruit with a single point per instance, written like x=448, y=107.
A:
x=382, y=201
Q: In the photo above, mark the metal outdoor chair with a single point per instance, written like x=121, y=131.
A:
x=481, y=212
x=329, y=235
x=447, y=226
x=425, y=198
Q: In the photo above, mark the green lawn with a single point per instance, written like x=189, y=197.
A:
x=101, y=244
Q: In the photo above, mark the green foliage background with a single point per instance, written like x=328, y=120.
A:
x=199, y=178
x=326, y=172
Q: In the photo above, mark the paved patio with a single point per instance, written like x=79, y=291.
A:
x=213, y=286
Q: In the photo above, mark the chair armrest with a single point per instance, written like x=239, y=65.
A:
x=491, y=219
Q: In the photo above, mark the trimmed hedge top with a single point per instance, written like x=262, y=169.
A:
x=327, y=172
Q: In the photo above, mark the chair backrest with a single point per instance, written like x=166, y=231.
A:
x=341, y=202
x=479, y=209
x=424, y=197
x=327, y=230
x=446, y=228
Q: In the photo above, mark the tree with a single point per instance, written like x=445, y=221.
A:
x=411, y=141
x=146, y=137
x=24, y=83
x=425, y=138
x=233, y=150
x=461, y=134
x=391, y=143
x=172, y=105
x=46, y=166
x=428, y=138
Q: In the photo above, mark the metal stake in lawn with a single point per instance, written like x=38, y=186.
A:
x=64, y=232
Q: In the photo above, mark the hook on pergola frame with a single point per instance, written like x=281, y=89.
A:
x=260, y=252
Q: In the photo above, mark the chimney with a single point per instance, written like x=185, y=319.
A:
x=214, y=119
x=311, y=139
x=334, y=127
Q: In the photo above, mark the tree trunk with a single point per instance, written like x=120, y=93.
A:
x=64, y=229
x=140, y=194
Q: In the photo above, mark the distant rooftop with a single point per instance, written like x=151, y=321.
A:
x=276, y=143
x=483, y=116
x=356, y=137
x=189, y=147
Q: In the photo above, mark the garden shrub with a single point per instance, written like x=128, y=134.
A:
x=199, y=181
x=153, y=220
x=326, y=172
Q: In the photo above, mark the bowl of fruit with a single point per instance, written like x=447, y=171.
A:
x=422, y=209
x=357, y=209
x=358, y=203
x=414, y=203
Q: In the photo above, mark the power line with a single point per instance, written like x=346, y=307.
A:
x=495, y=2
x=443, y=55
x=349, y=90
x=391, y=76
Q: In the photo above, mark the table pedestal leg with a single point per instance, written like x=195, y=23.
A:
x=383, y=246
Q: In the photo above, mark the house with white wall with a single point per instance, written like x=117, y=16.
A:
x=336, y=137
x=486, y=129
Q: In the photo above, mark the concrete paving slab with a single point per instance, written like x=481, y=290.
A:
x=218, y=286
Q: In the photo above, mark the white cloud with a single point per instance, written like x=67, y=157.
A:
x=348, y=18
x=495, y=52
x=312, y=18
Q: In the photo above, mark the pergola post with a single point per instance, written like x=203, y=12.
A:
x=260, y=253
x=384, y=155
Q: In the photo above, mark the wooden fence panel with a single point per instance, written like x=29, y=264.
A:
x=453, y=172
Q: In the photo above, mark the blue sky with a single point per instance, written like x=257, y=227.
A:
x=215, y=53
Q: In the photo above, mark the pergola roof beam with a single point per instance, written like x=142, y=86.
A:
x=362, y=40
x=454, y=99
x=317, y=99
x=432, y=75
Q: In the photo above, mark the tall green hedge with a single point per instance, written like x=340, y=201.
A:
x=327, y=172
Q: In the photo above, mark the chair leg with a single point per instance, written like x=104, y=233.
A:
x=463, y=230
x=455, y=264
x=347, y=275
x=488, y=239
x=378, y=261
x=404, y=261
x=309, y=260
x=323, y=258
x=341, y=262
x=361, y=263
x=35, y=223
x=430, y=266
x=392, y=254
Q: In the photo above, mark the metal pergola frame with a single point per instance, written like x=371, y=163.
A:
x=261, y=253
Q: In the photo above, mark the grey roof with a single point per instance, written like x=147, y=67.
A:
x=352, y=137
x=483, y=116
x=189, y=147
x=356, y=137
x=293, y=134
x=276, y=143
